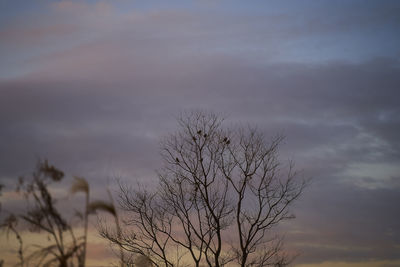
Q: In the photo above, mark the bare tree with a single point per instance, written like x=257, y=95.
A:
x=221, y=192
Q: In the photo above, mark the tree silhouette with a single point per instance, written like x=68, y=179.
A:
x=221, y=192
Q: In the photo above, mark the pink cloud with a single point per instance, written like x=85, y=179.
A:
x=22, y=34
x=83, y=8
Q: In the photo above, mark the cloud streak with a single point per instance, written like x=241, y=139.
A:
x=102, y=90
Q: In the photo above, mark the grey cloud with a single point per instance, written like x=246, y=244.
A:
x=269, y=33
x=305, y=102
x=341, y=222
x=100, y=107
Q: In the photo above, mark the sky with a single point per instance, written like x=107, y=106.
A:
x=93, y=86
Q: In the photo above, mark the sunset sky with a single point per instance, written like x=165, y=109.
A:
x=93, y=86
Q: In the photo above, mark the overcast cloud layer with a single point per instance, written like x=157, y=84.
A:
x=93, y=86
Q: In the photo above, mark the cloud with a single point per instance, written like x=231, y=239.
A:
x=107, y=85
x=370, y=263
x=342, y=222
x=327, y=112
x=92, y=91
x=328, y=32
